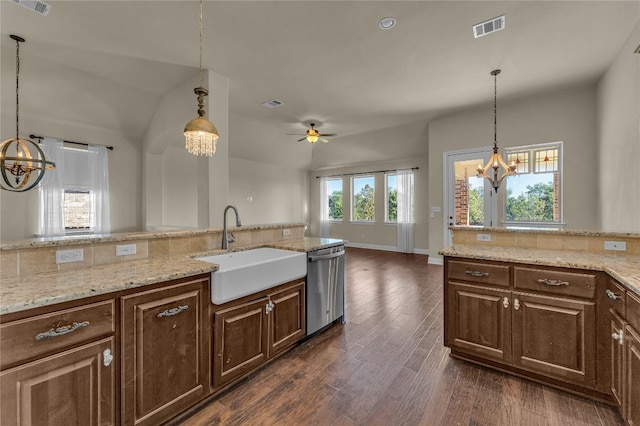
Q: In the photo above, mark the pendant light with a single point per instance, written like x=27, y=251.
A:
x=22, y=162
x=201, y=135
x=496, y=161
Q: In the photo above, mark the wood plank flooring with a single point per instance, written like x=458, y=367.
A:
x=387, y=366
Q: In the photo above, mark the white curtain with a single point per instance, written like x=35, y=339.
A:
x=324, y=208
x=99, y=184
x=405, y=210
x=51, y=192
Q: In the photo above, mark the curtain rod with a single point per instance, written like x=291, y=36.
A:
x=76, y=143
x=366, y=173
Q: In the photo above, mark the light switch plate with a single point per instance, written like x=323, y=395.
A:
x=125, y=250
x=615, y=245
x=69, y=256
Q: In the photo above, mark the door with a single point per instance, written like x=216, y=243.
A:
x=287, y=318
x=555, y=336
x=163, y=345
x=632, y=370
x=479, y=321
x=75, y=387
x=240, y=340
x=468, y=200
x=617, y=355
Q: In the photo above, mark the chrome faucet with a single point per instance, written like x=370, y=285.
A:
x=225, y=239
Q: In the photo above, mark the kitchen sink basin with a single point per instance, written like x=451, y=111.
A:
x=246, y=272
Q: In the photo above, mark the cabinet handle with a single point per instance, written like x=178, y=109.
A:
x=269, y=307
x=516, y=304
x=554, y=283
x=505, y=302
x=107, y=358
x=476, y=273
x=619, y=336
x=61, y=331
x=173, y=311
x=611, y=295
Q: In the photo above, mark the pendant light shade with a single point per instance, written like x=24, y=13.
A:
x=22, y=162
x=491, y=170
x=200, y=134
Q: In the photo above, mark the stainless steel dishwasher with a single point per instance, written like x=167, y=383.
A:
x=325, y=287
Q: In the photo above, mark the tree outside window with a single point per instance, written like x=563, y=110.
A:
x=392, y=198
x=334, y=191
x=363, y=202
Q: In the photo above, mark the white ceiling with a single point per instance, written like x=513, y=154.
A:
x=326, y=60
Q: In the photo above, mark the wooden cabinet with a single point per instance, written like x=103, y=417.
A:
x=616, y=348
x=631, y=410
x=248, y=332
x=528, y=320
x=164, y=367
x=59, y=367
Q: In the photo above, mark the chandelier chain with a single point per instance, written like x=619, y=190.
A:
x=17, y=89
x=495, y=109
x=201, y=75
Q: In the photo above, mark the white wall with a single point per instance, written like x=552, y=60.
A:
x=376, y=234
x=619, y=140
x=265, y=193
x=568, y=116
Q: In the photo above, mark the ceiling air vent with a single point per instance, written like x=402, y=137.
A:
x=272, y=103
x=35, y=5
x=488, y=27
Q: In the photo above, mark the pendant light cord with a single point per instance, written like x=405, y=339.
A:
x=201, y=77
x=495, y=108
x=17, y=88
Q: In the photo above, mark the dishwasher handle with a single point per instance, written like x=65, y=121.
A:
x=325, y=256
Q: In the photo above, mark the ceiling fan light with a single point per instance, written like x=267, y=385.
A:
x=312, y=138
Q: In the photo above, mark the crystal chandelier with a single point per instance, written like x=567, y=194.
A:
x=22, y=162
x=201, y=135
x=496, y=161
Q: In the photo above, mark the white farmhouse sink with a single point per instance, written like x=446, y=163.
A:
x=246, y=272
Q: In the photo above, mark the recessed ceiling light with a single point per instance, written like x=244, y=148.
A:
x=272, y=103
x=387, y=23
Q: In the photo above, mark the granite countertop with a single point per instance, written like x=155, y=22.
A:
x=624, y=268
x=23, y=292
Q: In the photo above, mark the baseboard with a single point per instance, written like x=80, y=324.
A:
x=385, y=248
x=436, y=260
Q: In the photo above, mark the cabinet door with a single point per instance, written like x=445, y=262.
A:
x=286, y=318
x=240, y=340
x=617, y=355
x=555, y=337
x=163, y=370
x=75, y=387
x=479, y=321
x=632, y=373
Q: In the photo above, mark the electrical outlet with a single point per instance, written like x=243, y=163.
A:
x=286, y=232
x=483, y=237
x=615, y=245
x=125, y=250
x=68, y=256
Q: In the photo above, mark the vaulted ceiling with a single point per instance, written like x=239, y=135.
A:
x=325, y=60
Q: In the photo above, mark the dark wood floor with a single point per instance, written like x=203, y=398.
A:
x=388, y=366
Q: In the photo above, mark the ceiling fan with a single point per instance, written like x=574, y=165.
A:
x=313, y=135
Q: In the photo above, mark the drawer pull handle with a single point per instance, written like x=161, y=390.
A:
x=619, y=336
x=477, y=273
x=505, y=302
x=516, y=304
x=554, y=283
x=269, y=307
x=173, y=311
x=61, y=331
x=611, y=295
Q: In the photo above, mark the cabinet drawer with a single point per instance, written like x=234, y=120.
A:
x=484, y=273
x=34, y=336
x=633, y=310
x=615, y=295
x=556, y=282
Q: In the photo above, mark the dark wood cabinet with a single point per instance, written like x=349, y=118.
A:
x=479, y=321
x=616, y=348
x=73, y=387
x=164, y=368
x=631, y=408
x=555, y=336
x=253, y=329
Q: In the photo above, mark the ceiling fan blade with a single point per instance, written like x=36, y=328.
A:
x=330, y=135
x=324, y=140
x=301, y=139
x=296, y=134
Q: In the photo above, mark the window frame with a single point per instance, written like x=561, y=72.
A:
x=78, y=231
x=531, y=166
x=353, y=195
x=327, y=182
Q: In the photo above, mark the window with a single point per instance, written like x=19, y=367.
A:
x=334, y=201
x=77, y=211
x=533, y=196
x=391, y=193
x=363, y=207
